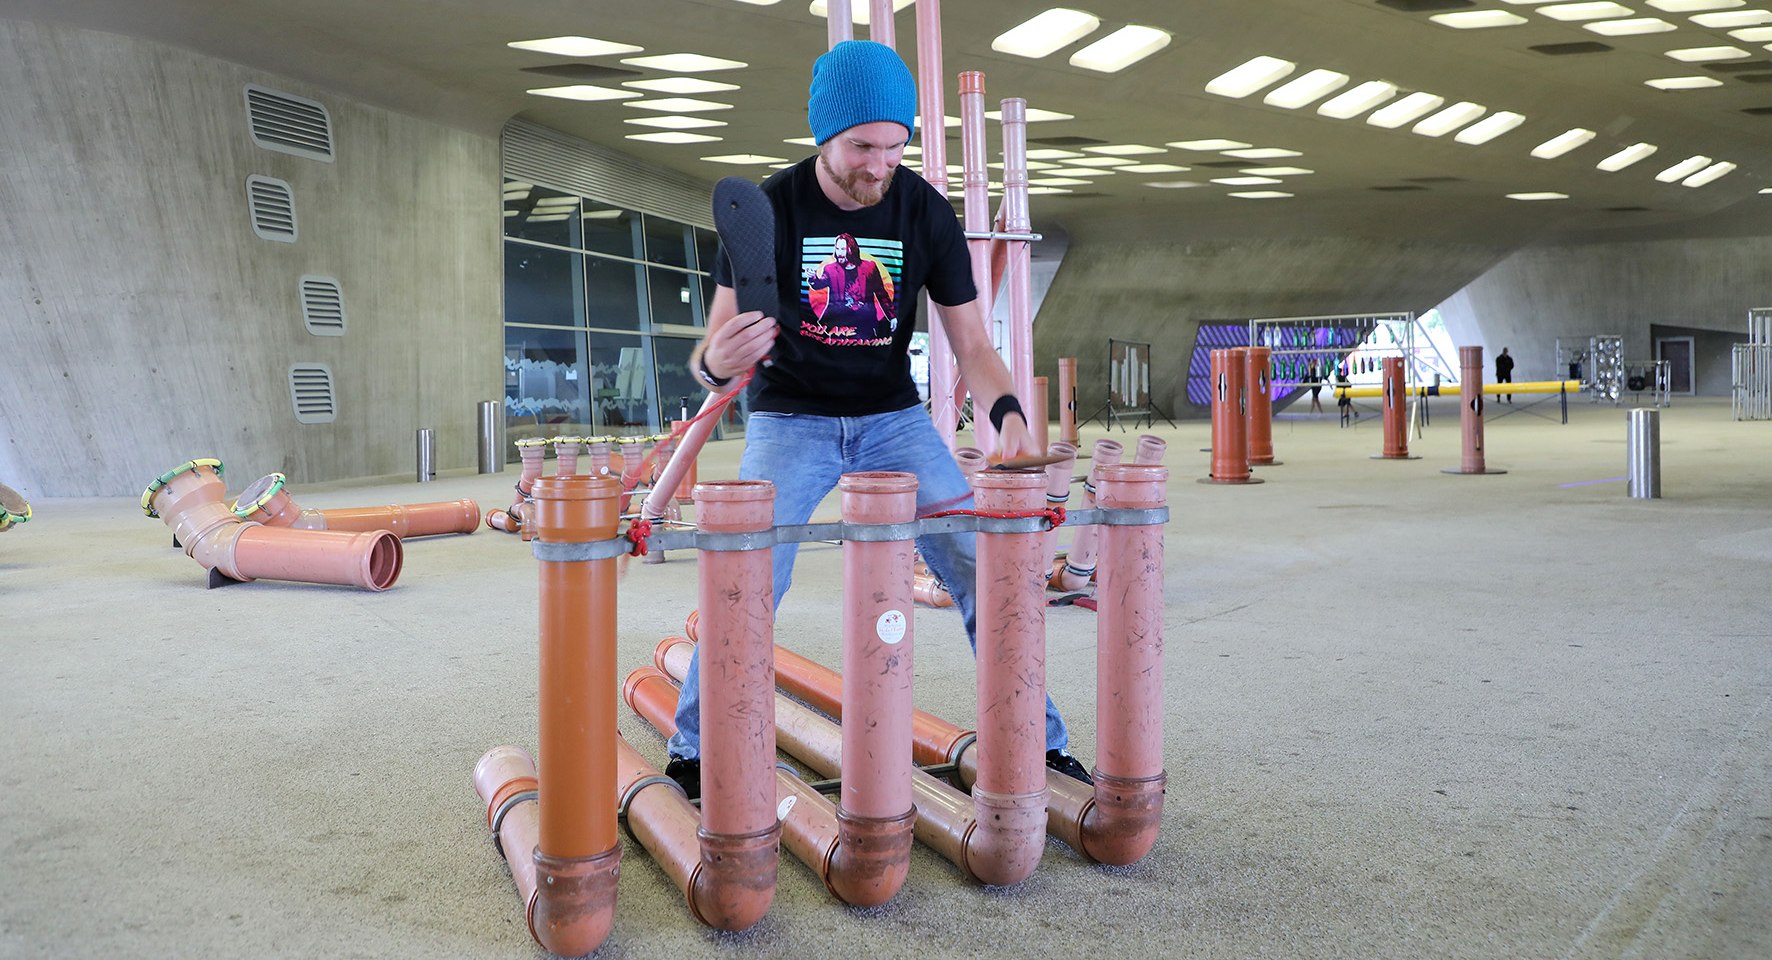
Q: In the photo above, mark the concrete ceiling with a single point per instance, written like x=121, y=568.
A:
x=447, y=59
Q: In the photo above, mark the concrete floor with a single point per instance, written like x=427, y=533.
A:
x=1410, y=715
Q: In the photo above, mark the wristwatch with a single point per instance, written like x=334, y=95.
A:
x=707, y=376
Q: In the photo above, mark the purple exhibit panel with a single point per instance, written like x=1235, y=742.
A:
x=1210, y=337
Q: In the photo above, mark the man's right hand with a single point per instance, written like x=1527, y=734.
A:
x=737, y=345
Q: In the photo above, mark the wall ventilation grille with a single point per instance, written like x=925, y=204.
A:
x=310, y=390
x=289, y=124
x=548, y=157
x=322, y=306
x=273, y=208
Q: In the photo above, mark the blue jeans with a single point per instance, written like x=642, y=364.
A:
x=804, y=456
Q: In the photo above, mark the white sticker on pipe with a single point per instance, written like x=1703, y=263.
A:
x=891, y=626
x=785, y=807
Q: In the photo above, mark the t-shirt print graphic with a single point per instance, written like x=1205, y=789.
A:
x=849, y=286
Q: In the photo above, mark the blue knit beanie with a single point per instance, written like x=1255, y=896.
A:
x=860, y=81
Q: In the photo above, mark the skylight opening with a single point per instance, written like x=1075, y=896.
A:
x=1477, y=19
x=1683, y=83
x=1691, y=6
x=860, y=12
x=1155, y=168
x=1262, y=153
x=575, y=47
x=1260, y=195
x=684, y=63
x=1409, y=108
x=1489, y=127
x=1708, y=174
x=1538, y=196
x=1121, y=49
x=1562, y=143
x=678, y=105
x=1626, y=157
x=1346, y=106
x=1584, y=11
x=1276, y=171
x=679, y=85
x=1450, y=119
x=1307, y=89
x=1205, y=145
x=1708, y=54
x=1123, y=150
x=1683, y=169
x=1635, y=26
x=755, y=159
x=1034, y=115
x=585, y=92
x=675, y=122
x=1044, y=34
x=1245, y=181
x=1733, y=18
x=1250, y=77
x=673, y=136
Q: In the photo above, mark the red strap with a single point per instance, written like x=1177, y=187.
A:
x=637, y=533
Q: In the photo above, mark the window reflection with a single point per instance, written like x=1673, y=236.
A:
x=544, y=382
x=611, y=230
x=621, y=384
x=667, y=242
x=613, y=298
x=542, y=285
x=674, y=296
x=540, y=214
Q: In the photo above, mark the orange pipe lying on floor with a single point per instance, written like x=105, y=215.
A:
x=188, y=499
x=269, y=503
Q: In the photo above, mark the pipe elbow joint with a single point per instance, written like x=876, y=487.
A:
x=573, y=908
x=734, y=884
x=872, y=858
x=1119, y=826
x=1007, y=836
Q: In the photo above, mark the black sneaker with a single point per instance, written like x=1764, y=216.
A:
x=1066, y=764
x=687, y=773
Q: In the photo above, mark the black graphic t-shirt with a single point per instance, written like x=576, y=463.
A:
x=849, y=282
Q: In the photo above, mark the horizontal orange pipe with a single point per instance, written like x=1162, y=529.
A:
x=267, y=501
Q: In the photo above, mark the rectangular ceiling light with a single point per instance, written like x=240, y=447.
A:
x=1034, y=115
x=549, y=218
x=1538, y=196
x=1184, y=184
x=1213, y=144
x=1102, y=162
x=1415, y=105
x=745, y=158
x=1629, y=28
x=1477, y=19
x=801, y=141
x=1733, y=18
x=858, y=12
x=678, y=105
x=1450, y=119
x=1708, y=174
x=1244, y=181
x=1045, y=191
x=1626, y=157
x=575, y=46
x=1490, y=127
x=1058, y=182
x=679, y=85
x=1263, y=153
x=1046, y=33
x=1309, y=88
x=1683, y=83
x=1052, y=153
x=1121, y=49
x=1260, y=195
x=673, y=136
x=675, y=122
x=1752, y=34
x=1708, y=54
x=1562, y=143
x=1123, y=150
x=1585, y=11
x=1155, y=168
x=584, y=91
x=1683, y=169
x=1688, y=6
x=1277, y=171
x=1081, y=172
x=1346, y=106
x=684, y=63
x=1250, y=77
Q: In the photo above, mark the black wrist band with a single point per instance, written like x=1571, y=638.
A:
x=1005, y=405
x=706, y=375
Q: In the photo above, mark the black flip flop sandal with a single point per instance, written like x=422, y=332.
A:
x=746, y=224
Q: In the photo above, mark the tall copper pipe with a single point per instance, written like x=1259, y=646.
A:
x=976, y=178
x=944, y=405
x=1230, y=402
x=736, y=599
x=1067, y=401
x=1396, y=421
x=1019, y=269
x=577, y=854
x=1010, y=794
x=188, y=499
x=267, y=501
x=838, y=25
x=1259, y=422
x=1470, y=418
x=1076, y=570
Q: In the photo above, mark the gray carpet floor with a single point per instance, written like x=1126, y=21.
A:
x=1408, y=715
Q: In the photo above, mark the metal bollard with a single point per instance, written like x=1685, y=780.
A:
x=1643, y=454
x=427, y=455
x=492, y=445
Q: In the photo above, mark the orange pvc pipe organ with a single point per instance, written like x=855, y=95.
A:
x=1041, y=396
x=1075, y=571
x=1067, y=401
x=1230, y=402
x=1470, y=415
x=267, y=501
x=1396, y=419
x=1260, y=420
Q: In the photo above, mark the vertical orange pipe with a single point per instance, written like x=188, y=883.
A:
x=1041, y=396
x=577, y=855
x=682, y=460
x=1471, y=414
x=1230, y=438
x=944, y=386
x=1011, y=615
x=534, y=453
x=1129, y=774
x=566, y=455
x=1067, y=401
x=736, y=599
x=975, y=178
x=1019, y=253
x=1058, y=486
x=1396, y=423
x=1260, y=421
x=881, y=28
x=1074, y=573
x=838, y=25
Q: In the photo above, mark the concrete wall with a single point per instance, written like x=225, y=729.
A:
x=1160, y=292
x=1541, y=293
x=145, y=324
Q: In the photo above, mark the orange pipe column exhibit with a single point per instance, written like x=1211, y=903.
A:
x=1230, y=402
x=1067, y=401
x=975, y=181
x=1470, y=417
x=1396, y=418
x=1075, y=571
x=267, y=501
x=739, y=829
x=1260, y=421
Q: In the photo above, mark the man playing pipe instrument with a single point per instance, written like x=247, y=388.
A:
x=835, y=393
